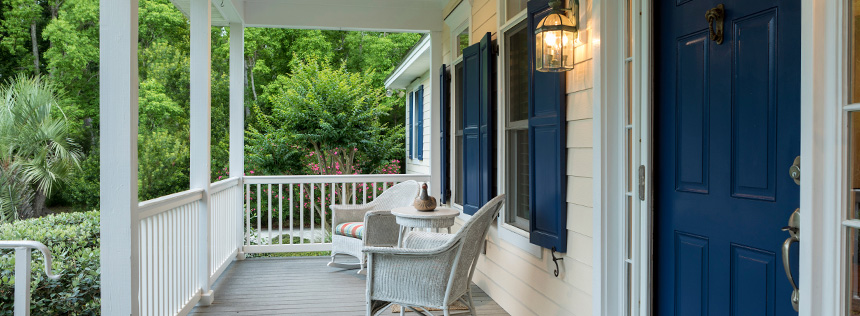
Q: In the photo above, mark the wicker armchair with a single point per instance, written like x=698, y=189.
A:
x=432, y=270
x=371, y=224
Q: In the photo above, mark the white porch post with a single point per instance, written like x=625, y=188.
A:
x=118, y=87
x=201, y=61
x=237, y=117
x=435, y=113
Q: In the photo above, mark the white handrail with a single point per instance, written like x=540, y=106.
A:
x=351, y=178
x=223, y=185
x=23, y=270
x=168, y=202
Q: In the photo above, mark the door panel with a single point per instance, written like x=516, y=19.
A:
x=726, y=132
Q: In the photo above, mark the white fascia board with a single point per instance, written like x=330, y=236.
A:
x=460, y=14
x=354, y=15
x=398, y=79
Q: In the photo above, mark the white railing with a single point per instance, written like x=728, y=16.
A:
x=290, y=213
x=169, y=256
x=277, y=214
x=23, y=269
x=224, y=224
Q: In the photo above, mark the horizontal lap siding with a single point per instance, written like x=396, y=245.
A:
x=520, y=282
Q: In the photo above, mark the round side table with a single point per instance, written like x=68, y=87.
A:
x=409, y=217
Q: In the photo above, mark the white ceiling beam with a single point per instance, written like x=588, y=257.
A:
x=367, y=15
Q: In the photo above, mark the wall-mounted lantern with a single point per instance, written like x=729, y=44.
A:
x=555, y=38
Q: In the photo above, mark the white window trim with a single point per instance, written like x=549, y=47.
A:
x=452, y=153
x=507, y=232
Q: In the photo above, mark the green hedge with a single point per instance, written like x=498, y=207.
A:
x=74, y=241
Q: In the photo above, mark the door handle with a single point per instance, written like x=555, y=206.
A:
x=793, y=230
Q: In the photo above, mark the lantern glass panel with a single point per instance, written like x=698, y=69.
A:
x=539, y=51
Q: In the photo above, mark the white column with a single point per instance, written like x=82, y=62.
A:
x=237, y=118
x=201, y=73
x=118, y=87
x=435, y=113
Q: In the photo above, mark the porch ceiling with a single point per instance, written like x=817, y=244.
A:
x=370, y=15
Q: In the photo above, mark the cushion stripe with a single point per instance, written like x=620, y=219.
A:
x=350, y=229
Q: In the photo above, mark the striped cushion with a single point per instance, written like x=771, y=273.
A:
x=351, y=229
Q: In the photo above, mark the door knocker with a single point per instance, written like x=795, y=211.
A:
x=715, y=18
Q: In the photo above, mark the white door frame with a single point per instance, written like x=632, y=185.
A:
x=823, y=92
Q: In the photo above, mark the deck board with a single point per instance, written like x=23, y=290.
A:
x=300, y=286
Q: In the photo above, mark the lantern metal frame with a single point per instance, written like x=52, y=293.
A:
x=558, y=9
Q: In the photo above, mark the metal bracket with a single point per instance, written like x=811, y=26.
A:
x=555, y=260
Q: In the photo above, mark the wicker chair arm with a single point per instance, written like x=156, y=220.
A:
x=411, y=252
x=425, y=240
x=380, y=228
x=348, y=213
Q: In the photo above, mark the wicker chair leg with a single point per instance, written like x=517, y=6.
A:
x=471, y=304
x=446, y=312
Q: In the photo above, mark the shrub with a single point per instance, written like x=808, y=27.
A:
x=73, y=238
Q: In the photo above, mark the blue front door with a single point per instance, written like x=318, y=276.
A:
x=726, y=133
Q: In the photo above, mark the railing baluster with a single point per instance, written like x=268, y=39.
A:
x=353, y=193
x=269, y=211
x=343, y=193
x=280, y=198
x=322, y=211
x=291, y=214
x=248, y=214
x=374, y=190
x=364, y=192
x=313, y=214
x=301, y=213
x=259, y=215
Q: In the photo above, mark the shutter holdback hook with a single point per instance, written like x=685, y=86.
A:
x=555, y=260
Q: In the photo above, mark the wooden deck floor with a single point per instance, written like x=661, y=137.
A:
x=300, y=286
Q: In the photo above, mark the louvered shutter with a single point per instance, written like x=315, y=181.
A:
x=445, y=126
x=419, y=123
x=478, y=138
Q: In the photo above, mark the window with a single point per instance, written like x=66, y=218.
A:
x=462, y=41
x=516, y=65
x=457, y=84
x=513, y=7
x=852, y=214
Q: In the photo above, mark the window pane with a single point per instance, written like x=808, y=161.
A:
x=462, y=41
x=458, y=132
x=853, y=272
x=458, y=170
x=514, y=7
x=854, y=54
x=458, y=95
x=854, y=161
x=518, y=178
x=517, y=60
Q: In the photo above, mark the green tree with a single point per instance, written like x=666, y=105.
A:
x=34, y=143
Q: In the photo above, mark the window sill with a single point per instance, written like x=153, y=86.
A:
x=519, y=238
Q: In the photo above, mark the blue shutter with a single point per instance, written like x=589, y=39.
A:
x=547, y=174
x=411, y=126
x=445, y=122
x=419, y=125
x=487, y=131
x=478, y=157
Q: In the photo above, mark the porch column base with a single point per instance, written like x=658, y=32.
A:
x=207, y=298
x=240, y=256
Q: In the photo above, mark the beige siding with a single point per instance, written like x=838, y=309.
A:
x=520, y=282
x=415, y=165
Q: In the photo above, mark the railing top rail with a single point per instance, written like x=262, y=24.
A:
x=352, y=178
x=9, y=244
x=168, y=202
x=223, y=185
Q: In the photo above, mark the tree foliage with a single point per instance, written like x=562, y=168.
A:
x=67, y=42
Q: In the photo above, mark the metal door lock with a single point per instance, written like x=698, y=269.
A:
x=794, y=170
